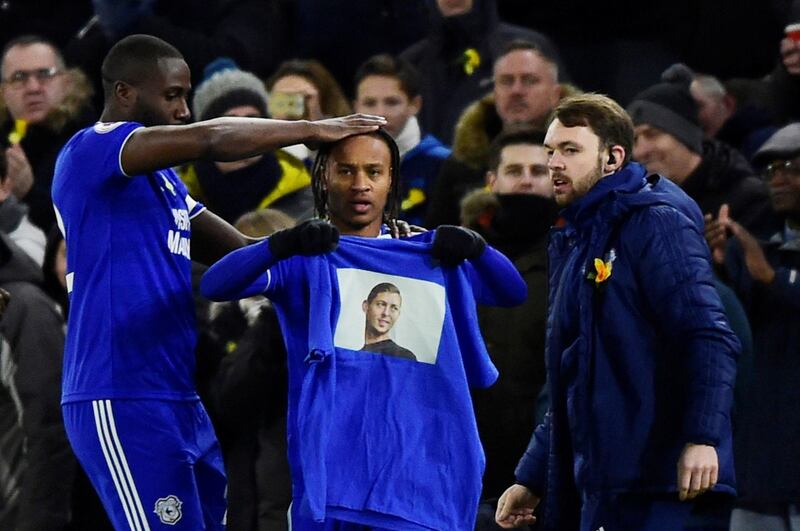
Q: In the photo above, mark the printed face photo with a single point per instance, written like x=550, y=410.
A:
x=382, y=310
x=389, y=315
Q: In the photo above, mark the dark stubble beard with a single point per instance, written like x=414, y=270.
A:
x=594, y=175
x=587, y=182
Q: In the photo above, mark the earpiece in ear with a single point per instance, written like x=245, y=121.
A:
x=612, y=159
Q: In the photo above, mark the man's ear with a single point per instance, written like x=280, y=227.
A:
x=126, y=94
x=615, y=159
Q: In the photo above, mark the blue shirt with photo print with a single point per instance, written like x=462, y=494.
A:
x=379, y=440
x=131, y=330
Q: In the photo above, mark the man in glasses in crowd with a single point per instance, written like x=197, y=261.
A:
x=766, y=276
x=42, y=104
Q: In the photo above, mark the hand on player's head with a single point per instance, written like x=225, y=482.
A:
x=333, y=129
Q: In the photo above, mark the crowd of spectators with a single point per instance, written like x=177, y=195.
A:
x=466, y=98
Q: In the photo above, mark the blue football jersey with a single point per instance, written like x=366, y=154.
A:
x=131, y=330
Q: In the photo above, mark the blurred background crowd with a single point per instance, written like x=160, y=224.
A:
x=466, y=86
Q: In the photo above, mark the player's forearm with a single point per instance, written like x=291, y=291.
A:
x=239, y=274
x=229, y=139
x=222, y=139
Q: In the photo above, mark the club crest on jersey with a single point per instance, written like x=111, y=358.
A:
x=168, y=509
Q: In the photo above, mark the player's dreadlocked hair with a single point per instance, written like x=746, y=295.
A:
x=392, y=209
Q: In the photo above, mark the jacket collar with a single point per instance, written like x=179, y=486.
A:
x=631, y=178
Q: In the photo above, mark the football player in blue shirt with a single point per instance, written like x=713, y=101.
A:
x=130, y=406
x=376, y=441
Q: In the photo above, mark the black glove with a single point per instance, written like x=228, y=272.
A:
x=310, y=237
x=452, y=245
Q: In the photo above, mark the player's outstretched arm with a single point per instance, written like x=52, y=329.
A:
x=241, y=273
x=225, y=139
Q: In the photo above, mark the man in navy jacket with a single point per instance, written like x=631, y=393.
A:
x=640, y=358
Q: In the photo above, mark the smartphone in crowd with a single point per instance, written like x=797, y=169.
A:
x=287, y=105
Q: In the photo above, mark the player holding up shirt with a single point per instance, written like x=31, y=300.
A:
x=376, y=440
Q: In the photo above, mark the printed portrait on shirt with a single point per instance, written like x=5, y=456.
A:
x=389, y=315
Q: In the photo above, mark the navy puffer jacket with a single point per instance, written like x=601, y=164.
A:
x=639, y=364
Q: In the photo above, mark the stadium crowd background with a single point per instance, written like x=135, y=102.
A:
x=460, y=73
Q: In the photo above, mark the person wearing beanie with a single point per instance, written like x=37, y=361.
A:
x=226, y=89
x=669, y=141
x=275, y=179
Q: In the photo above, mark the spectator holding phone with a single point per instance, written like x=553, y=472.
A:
x=303, y=89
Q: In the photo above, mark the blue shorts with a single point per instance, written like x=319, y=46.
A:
x=155, y=464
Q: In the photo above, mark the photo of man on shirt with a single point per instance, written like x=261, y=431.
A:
x=382, y=310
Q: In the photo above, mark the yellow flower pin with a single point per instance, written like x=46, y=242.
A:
x=472, y=60
x=603, y=270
